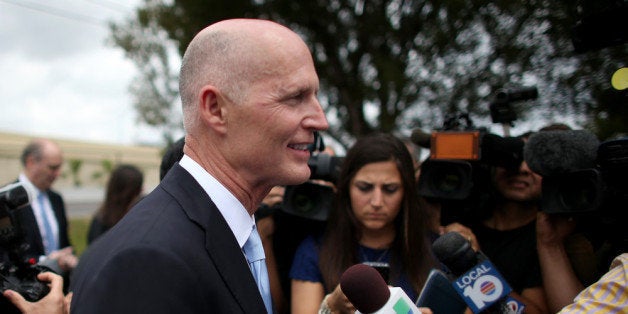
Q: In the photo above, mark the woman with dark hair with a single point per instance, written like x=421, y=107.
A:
x=376, y=219
x=123, y=191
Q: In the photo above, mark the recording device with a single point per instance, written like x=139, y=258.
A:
x=312, y=200
x=500, y=107
x=477, y=281
x=18, y=272
x=580, y=174
x=439, y=295
x=457, y=172
x=369, y=293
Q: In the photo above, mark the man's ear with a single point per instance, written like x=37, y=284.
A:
x=30, y=160
x=212, y=108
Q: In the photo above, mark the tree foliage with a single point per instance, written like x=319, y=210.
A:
x=394, y=65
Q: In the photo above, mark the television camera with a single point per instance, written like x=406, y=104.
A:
x=457, y=172
x=584, y=180
x=580, y=175
x=18, y=272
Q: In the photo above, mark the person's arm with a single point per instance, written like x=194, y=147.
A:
x=52, y=303
x=559, y=279
x=533, y=299
x=309, y=297
x=306, y=296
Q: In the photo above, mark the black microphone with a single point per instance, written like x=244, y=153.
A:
x=477, y=281
x=368, y=292
x=557, y=152
x=439, y=295
x=421, y=138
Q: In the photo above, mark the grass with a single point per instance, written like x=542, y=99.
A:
x=78, y=234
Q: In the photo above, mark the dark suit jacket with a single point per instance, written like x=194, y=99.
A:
x=172, y=253
x=28, y=222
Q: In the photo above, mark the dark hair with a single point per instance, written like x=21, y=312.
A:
x=410, y=249
x=173, y=154
x=34, y=148
x=123, y=190
x=555, y=127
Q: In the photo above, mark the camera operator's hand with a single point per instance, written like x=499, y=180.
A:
x=464, y=231
x=53, y=303
x=560, y=281
x=552, y=230
x=65, y=258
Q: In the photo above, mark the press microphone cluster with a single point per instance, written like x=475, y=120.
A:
x=369, y=293
x=477, y=281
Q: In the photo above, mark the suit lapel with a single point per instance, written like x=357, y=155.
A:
x=220, y=243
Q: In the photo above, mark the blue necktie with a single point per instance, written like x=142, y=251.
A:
x=254, y=252
x=51, y=241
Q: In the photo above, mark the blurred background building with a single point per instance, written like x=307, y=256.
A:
x=85, y=170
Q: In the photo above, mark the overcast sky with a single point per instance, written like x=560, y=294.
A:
x=59, y=78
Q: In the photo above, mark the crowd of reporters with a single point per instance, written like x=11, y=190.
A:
x=376, y=209
x=547, y=258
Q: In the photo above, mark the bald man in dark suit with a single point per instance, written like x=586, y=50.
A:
x=250, y=109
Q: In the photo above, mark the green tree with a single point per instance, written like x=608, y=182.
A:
x=395, y=65
x=106, y=167
x=75, y=169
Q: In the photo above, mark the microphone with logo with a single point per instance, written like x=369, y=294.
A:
x=477, y=281
x=369, y=293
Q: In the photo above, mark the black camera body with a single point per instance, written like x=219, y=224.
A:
x=312, y=200
x=457, y=173
x=18, y=272
x=601, y=190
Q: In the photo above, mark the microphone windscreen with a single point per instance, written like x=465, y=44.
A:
x=455, y=252
x=421, y=138
x=560, y=151
x=365, y=288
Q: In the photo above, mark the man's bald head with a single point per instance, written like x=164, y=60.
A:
x=231, y=55
x=42, y=160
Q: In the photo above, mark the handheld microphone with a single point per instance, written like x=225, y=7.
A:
x=369, y=293
x=439, y=295
x=557, y=152
x=478, y=282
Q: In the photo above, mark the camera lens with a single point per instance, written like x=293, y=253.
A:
x=577, y=196
x=448, y=181
x=445, y=179
x=308, y=200
x=579, y=191
x=305, y=202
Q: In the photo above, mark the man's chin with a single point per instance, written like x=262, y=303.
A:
x=298, y=177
